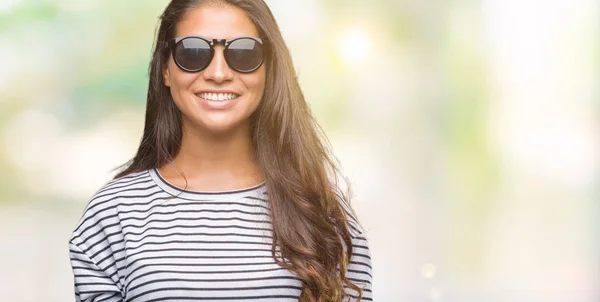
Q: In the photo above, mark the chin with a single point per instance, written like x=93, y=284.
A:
x=217, y=126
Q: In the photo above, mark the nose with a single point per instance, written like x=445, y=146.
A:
x=218, y=70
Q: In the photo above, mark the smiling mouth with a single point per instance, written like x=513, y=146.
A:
x=217, y=97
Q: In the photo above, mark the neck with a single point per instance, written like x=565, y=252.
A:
x=212, y=162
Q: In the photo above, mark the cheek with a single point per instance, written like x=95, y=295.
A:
x=256, y=83
x=180, y=80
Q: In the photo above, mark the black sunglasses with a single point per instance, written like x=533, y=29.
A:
x=194, y=53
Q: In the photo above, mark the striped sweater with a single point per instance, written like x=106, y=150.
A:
x=135, y=242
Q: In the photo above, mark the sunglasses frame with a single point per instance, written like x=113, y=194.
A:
x=211, y=43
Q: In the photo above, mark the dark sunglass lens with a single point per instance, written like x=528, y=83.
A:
x=193, y=54
x=244, y=55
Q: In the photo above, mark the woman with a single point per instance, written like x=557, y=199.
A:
x=232, y=194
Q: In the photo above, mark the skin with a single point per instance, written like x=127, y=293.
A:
x=216, y=148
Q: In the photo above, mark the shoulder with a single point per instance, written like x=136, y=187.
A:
x=355, y=228
x=100, y=209
x=127, y=186
x=359, y=266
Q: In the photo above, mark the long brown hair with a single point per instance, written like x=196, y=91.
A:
x=310, y=225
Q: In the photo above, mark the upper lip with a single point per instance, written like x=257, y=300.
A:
x=216, y=91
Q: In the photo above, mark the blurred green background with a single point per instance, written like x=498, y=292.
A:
x=469, y=130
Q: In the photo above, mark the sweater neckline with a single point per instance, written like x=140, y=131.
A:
x=258, y=190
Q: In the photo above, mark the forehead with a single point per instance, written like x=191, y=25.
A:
x=216, y=22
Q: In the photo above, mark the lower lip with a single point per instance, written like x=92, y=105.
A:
x=217, y=105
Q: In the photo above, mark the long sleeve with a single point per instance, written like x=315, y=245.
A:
x=92, y=284
x=359, y=268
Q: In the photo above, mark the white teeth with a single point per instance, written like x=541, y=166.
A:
x=218, y=96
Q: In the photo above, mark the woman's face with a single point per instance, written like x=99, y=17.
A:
x=188, y=89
